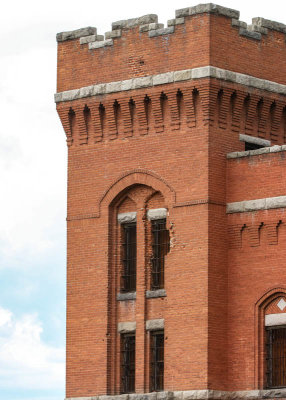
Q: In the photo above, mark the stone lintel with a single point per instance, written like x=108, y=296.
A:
x=157, y=213
x=275, y=319
x=126, y=327
x=127, y=217
x=155, y=324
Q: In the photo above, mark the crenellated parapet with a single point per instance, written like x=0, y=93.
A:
x=196, y=37
x=149, y=23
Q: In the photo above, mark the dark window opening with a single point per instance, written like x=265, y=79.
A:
x=128, y=363
x=276, y=357
x=128, y=277
x=160, y=247
x=252, y=146
x=157, y=361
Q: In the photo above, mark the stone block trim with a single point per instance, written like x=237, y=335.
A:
x=250, y=34
x=259, y=25
x=91, y=38
x=266, y=23
x=176, y=21
x=155, y=324
x=150, y=27
x=126, y=327
x=169, y=77
x=78, y=33
x=113, y=34
x=103, y=43
x=265, y=150
x=256, y=205
x=254, y=140
x=238, y=23
x=257, y=28
x=133, y=22
x=162, y=31
x=194, y=395
x=207, y=8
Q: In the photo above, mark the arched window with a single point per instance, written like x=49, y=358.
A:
x=275, y=335
x=271, y=340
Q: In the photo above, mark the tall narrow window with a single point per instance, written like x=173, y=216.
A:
x=276, y=356
x=157, y=361
x=128, y=363
x=160, y=247
x=128, y=277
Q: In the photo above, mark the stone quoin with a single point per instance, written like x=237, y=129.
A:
x=176, y=217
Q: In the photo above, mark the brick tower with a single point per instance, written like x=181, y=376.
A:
x=176, y=285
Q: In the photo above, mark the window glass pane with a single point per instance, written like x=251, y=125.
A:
x=128, y=277
x=276, y=357
x=160, y=247
x=128, y=363
x=157, y=361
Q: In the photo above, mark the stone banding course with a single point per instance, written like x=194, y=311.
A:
x=169, y=77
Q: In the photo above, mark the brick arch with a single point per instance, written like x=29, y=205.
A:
x=138, y=177
x=269, y=296
x=260, y=307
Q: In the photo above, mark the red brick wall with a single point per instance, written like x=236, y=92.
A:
x=256, y=261
x=188, y=47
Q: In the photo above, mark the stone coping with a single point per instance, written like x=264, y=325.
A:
x=193, y=395
x=259, y=25
x=254, y=140
x=263, y=150
x=207, y=8
x=256, y=205
x=170, y=77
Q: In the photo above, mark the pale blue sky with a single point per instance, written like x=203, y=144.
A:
x=33, y=176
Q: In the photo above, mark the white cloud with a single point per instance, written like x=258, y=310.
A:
x=26, y=362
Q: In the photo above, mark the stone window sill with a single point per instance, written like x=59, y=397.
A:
x=126, y=296
x=153, y=294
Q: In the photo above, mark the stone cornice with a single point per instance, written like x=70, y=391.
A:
x=170, y=77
